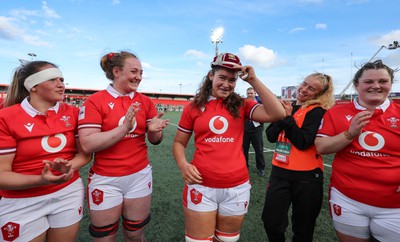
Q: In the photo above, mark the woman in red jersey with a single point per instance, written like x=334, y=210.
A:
x=113, y=124
x=217, y=189
x=40, y=188
x=365, y=181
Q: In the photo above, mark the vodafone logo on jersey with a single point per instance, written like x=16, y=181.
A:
x=218, y=124
x=53, y=144
x=122, y=120
x=371, y=141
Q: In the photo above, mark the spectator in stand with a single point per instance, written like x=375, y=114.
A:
x=40, y=188
x=114, y=123
x=297, y=169
x=253, y=132
x=217, y=188
x=365, y=180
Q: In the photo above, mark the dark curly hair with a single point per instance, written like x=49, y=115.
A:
x=233, y=102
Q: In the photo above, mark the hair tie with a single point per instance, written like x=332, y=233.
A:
x=110, y=55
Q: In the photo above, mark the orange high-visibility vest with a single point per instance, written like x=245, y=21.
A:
x=295, y=159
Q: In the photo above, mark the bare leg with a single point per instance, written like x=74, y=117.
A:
x=199, y=224
x=347, y=238
x=67, y=234
x=137, y=209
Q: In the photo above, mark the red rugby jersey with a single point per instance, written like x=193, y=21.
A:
x=368, y=169
x=218, y=140
x=35, y=137
x=106, y=110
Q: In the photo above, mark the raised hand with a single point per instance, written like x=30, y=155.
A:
x=358, y=122
x=246, y=73
x=158, y=124
x=287, y=106
x=130, y=116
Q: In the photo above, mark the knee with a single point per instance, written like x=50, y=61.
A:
x=273, y=225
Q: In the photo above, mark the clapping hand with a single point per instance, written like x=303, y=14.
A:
x=60, y=165
x=358, y=122
x=157, y=124
x=130, y=116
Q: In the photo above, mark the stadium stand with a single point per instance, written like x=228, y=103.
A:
x=76, y=97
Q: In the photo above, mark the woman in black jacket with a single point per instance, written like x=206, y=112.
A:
x=297, y=168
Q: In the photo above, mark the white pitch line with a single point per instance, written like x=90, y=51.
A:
x=173, y=124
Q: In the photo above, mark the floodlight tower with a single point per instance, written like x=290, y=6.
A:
x=32, y=55
x=392, y=46
x=216, y=37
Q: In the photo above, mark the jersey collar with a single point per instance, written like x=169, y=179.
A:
x=210, y=98
x=383, y=106
x=111, y=90
x=31, y=111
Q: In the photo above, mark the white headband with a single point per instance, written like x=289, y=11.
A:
x=42, y=76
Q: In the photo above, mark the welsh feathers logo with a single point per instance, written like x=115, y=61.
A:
x=10, y=231
x=53, y=144
x=393, y=122
x=97, y=196
x=218, y=124
x=371, y=141
x=195, y=196
x=337, y=209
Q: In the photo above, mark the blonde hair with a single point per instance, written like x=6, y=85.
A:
x=325, y=98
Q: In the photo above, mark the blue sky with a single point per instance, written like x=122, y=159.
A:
x=284, y=40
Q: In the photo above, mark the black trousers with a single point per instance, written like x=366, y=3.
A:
x=306, y=200
x=255, y=138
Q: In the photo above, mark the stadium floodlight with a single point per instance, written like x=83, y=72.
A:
x=216, y=37
x=392, y=46
x=32, y=55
